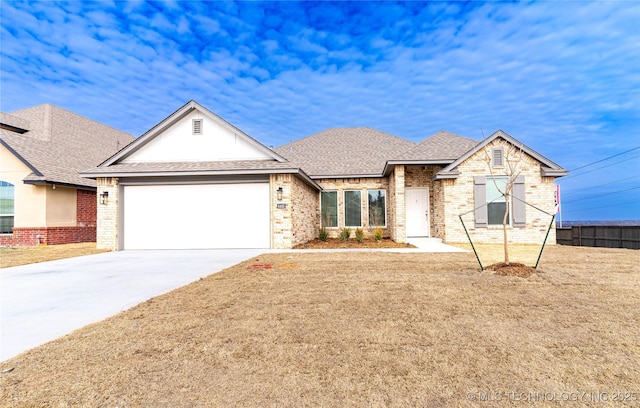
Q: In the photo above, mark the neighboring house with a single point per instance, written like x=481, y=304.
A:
x=43, y=200
x=196, y=181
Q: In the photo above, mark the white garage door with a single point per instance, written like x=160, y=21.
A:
x=196, y=216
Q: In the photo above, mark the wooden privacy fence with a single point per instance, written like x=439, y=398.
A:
x=608, y=236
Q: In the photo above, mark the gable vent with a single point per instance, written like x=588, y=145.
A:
x=197, y=126
x=498, y=160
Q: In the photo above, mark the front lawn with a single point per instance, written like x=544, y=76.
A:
x=358, y=329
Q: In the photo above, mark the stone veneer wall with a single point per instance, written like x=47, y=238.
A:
x=363, y=185
x=297, y=222
x=107, y=234
x=458, y=199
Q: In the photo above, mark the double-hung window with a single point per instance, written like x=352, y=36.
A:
x=7, y=206
x=496, y=201
x=329, y=209
x=353, y=208
x=377, y=208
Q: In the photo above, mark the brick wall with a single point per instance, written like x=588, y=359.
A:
x=458, y=199
x=399, y=223
x=305, y=211
x=84, y=231
x=363, y=185
x=87, y=208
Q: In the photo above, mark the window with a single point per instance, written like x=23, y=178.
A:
x=490, y=212
x=377, y=208
x=329, y=209
x=496, y=203
x=353, y=208
x=498, y=158
x=7, y=205
x=197, y=126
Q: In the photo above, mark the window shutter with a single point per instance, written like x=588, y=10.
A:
x=518, y=203
x=480, y=201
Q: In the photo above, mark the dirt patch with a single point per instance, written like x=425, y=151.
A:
x=512, y=269
x=335, y=243
x=357, y=329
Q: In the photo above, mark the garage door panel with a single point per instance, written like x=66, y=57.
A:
x=197, y=216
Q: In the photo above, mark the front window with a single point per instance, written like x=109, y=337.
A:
x=496, y=203
x=7, y=205
x=353, y=208
x=377, y=208
x=329, y=208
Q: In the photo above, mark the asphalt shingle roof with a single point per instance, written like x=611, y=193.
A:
x=441, y=146
x=59, y=144
x=344, y=152
x=187, y=167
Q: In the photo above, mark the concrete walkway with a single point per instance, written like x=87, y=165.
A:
x=41, y=302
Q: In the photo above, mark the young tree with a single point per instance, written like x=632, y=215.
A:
x=508, y=157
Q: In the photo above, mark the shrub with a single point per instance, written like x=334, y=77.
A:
x=377, y=234
x=345, y=233
x=359, y=235
x=323, y=234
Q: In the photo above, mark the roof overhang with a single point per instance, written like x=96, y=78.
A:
x=102, y=172
x=388, y=167
x=549, y=172
x=54, y=184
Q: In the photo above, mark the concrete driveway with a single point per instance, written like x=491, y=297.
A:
x=44, y=301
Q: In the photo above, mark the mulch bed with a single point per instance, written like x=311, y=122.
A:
x=335, y=243
x=512, y=269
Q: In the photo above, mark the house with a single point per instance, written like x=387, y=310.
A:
x=196, y=181
x=43, y=200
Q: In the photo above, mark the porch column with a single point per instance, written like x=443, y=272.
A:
x=400, y=220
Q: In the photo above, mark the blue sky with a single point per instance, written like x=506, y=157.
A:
x=562, y=77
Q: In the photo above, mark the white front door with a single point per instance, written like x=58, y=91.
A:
x=417, y=211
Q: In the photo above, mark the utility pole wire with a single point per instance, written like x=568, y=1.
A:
x=600, y=168
x=600, y=195
x=606, y=158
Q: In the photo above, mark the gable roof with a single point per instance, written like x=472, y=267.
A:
x=344, y=152
x=57, y=144
x=548, y=168
x=117, y=166
x=176, y=116
x=440, y=148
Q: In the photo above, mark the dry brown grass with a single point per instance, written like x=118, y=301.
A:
x=354, y=329
x=15, y=256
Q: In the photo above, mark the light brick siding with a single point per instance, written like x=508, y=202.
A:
x=458, y=199
x=363, y=185
x=398, y=231
x=107, y=237
x=298, y=221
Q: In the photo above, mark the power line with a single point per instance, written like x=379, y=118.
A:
x=606, y=158
x=600, y=195
x=609, y=183
x=600, y=168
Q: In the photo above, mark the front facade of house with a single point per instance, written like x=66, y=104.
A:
x=43, y=200
x=196, y=181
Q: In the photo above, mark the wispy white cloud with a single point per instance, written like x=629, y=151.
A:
x=560, y=76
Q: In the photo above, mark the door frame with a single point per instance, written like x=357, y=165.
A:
x=427, y=233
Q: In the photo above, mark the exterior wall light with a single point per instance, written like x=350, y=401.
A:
x=279, y=193
x=104, y=197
